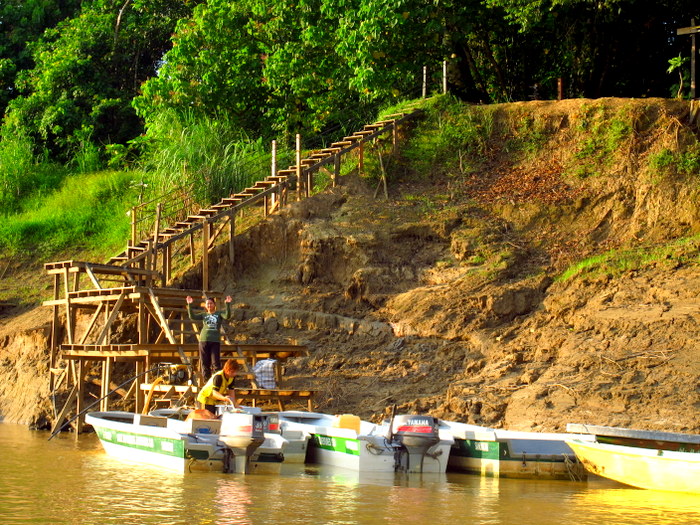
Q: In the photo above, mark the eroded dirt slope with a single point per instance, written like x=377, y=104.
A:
x=448, y=298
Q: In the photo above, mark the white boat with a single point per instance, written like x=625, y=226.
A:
x=409, y=443
x=513, y=454
x=642, y=467
x=638, y=438
x=225, y=445
x=270, y=454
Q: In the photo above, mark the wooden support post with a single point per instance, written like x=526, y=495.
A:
x=336, y=169
x=298, y=166
x=273, y=171
x=205, y=254
x=154, y=245
x=54, y=329
x=106, y=380
x=167, y=264
x=138, y=393
x=142, y=325
x=309, y=182
x=361, y=163
x=69, y=310
x=133, y=228
x=232, y=237
x=692, y=31
x=394, y=138
x=80, y=396
x=425, y=82
x=193, y=257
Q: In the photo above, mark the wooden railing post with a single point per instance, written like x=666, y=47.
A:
x=274, y=197
x=298, y=167
x=133, y=227
x=425, y=81
x=361, y=163
x=205, y=254
x=336, y=170
x=154, y=246
x=232, y=235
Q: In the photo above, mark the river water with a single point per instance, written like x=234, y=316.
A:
x=72, y=481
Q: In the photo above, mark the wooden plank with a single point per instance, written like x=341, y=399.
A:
x=161, y=317
x=688, y=30
x=110, y=319
x=62, y=414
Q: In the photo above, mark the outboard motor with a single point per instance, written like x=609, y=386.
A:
x=242, y=434
x=416, y=435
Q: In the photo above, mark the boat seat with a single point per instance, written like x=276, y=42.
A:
x=349, y=421
x=151, y=421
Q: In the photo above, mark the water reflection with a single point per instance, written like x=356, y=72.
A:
x=74, y=482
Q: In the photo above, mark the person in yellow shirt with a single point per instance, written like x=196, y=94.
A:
x=219, y=388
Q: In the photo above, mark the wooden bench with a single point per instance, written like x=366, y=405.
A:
x=281, y=395
x=255, y=396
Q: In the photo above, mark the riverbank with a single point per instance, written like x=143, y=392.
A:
x=523, y=284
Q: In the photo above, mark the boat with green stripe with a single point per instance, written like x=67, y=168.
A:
x=513, y=454
x=226, y=444
x=408, y=443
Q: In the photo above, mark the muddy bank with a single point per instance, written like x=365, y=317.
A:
x=449, y=297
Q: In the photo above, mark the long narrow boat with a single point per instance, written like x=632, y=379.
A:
x=512, y=454
x=225, y=445
x=272, y=452
x=646, y=468
x=409, y=443
x=639, y=438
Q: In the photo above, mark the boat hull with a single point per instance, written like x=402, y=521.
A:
x=183, y=446
x=512, y=454
x=159, y=447
x=645, y=468
x=364, y=448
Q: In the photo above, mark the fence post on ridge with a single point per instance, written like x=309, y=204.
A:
x=444, y=77
x=425, y=81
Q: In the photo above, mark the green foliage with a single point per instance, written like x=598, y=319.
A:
x=210, y=155
x=451, y=127
x=614, y=263
x=88, y=211
x=22, y=174
x=603, y=138
x=87, y=70
x=685, y=162
x=22, y=23
x=529, y=136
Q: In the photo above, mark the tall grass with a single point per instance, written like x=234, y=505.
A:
x=210, y=155
x=88, y=212
x=452, y=130
x=22, y=173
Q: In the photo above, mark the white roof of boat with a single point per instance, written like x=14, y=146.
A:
x=654, y=435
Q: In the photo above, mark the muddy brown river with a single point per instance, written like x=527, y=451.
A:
x=73, y=482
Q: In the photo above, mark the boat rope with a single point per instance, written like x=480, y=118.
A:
x=573, y=468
